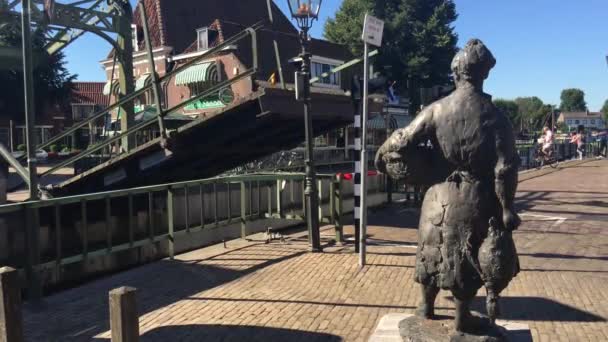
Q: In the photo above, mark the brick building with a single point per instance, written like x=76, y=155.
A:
x=49, y=121
x=87, y=99
x=182, y=30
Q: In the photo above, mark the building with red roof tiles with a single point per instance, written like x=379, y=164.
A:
x=185, y=29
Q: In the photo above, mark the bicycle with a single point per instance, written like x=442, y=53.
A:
x=543, y=158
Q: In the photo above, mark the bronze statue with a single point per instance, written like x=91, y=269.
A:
x=462, y=146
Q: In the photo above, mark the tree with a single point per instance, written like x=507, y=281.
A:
x=532, y=111
x=346, y=28
x=52, y=81
x=419, y=40
x=605, y=111
x=573, y=100
x=510, y=109
x=562, y=127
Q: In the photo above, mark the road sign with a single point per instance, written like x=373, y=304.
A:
x=372, y=30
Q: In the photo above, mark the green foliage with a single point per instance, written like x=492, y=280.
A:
x=52, y=81
x=562, y=127
x=21, y=147
x=419, y=40
x=528, y=113
x=346, y=27
x=605, y=111
x=532, y=111
x=510, y=109
x=53, y=148
x=573, y=100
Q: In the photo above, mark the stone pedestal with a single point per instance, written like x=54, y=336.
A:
x=414, y=329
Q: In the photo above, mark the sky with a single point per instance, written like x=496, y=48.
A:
x=541, y=46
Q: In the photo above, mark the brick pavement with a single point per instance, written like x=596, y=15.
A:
x=279, y=292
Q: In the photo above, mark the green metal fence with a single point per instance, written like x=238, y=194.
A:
x=78, y=228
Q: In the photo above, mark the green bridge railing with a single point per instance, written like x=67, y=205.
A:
x=79, y=228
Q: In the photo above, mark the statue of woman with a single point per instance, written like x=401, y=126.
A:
x=473, y=165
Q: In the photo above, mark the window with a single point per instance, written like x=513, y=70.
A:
x=593, y=121
x=317, y=69
x=321, y=141
x=198, y=87
x=584, y=122
x=576, y=122
x=202, y=35
x=80, y=112
x=134, y=37
x=41, y=134
x=569, y=121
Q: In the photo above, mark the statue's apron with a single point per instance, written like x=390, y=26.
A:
x=453, y=224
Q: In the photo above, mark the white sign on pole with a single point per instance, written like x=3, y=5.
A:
x=372, y=30
x=372, y=34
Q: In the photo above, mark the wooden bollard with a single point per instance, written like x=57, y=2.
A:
x=11, y=320
x=124, y=321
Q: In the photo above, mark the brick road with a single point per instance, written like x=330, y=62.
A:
x=279, y=292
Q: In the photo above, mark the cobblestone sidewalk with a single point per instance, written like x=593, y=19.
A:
x=279, y=292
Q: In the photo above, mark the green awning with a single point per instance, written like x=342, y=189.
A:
x=400, y=121
x=194, y=74
x=208, y=104
x=377, y=122
x=142, y=81
x=146, y=113
x=150, y=113
x=110, y=87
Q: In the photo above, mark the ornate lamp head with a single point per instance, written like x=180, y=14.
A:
x=304, y=11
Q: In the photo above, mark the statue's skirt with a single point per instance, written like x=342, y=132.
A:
x=454, y=222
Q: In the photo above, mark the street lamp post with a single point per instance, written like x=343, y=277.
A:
x=305, y=12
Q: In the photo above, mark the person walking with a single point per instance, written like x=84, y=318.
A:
x=603, y=145
x=578, y=139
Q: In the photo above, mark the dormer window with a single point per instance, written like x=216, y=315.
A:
x=203, y=38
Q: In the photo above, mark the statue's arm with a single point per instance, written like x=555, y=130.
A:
x=506, y=171
x=420, y=127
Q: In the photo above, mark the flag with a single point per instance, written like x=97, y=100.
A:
x=392, y=98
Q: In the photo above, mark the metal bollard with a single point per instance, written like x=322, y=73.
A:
x=124, y=321
x=11, y=320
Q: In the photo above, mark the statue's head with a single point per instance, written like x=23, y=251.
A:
x=473, y=63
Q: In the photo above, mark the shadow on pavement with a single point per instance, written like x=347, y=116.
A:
x=396, y=215
x=308, y=302
x=562, y=256
x=536, y=309
x=561, y=270
x=233, y=333
x=159, y=285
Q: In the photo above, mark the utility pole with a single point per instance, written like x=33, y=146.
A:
x=553, y=119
